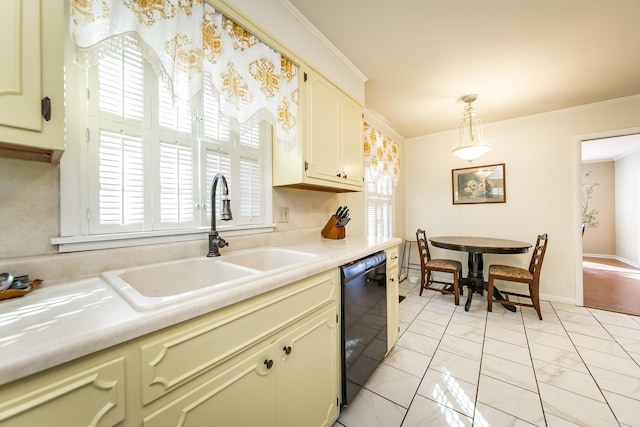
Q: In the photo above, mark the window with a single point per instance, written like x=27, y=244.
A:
x=150, y=161
x=379, y=202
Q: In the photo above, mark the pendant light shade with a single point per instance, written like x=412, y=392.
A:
x=472, y=143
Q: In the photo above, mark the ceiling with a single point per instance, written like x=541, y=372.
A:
x=522, y=58
x=610, y=148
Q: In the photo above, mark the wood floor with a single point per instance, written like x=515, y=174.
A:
x=611, y=285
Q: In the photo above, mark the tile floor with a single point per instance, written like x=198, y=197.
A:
x=577, y=367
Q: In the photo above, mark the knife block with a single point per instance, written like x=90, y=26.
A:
x=330, y=231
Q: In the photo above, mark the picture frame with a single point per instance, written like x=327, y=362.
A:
x=479, y=184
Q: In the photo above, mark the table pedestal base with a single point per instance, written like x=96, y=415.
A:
x=475, y=281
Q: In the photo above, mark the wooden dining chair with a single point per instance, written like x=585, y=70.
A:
x=429, y=265
x=530, y=277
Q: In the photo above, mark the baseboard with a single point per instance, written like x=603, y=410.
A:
x=617, y=258
x=558, y=299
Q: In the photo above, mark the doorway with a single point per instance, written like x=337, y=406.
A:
x=610, y=208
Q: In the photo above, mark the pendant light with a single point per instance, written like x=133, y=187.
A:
x=472, y=143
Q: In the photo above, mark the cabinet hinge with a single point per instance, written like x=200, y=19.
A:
x=305, y=76
x=336, y=318
x=306, y=165
x=337, y=401
x=87, y=135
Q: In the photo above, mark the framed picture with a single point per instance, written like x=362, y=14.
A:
x=480, y=184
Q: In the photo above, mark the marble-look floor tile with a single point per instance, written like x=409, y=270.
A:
x=617, y=319
x=426, y=328
x=406, y=316
x=555, y=421
x=392, y=383
x=597, y=344
x=582, y=318
x=411, y=307
x=515, y=353
x=514, y=324
x=615, y=382
x=625, y=408
x=506, y=335
x=556, y=356
x=424, y=412
x=469, y=332
x=371, y=410
x=623, y=332
x=408, y=360
x=487, y=416
x=575, y=408
x=567, y=379
x=552, y=340
x=449, y=391
x=434, y=317
x=629, y=345
x=592, y=330
x=545, y=326
x=623, y=365
x=508, y=371
x=570, y=308
x=456, y=366
x=461, y=346
x=417, y=342
x=513, y=400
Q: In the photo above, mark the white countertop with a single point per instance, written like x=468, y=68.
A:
x=64, y=321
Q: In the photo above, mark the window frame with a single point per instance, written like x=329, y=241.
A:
x=75, y=230
x=372, y=179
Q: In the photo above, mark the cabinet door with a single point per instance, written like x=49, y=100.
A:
x=32, y=67
x=322, y=129
x=309, y=372
x=239, y=393
x=82, y=395
x=352, y=150
x=393, y=323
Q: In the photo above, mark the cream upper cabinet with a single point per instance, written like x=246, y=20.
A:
x=330, y=154
x=393, y=322
x=31, y=77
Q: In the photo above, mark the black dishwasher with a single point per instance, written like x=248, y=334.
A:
x=364, y=321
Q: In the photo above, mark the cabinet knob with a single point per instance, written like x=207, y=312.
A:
x=287, y=349
x=339, y=175
x=344, y=175
x=268, y=363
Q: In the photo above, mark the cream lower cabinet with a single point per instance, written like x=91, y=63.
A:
x=393, y=322
x=86, y=393
x=288, y=380
x=271, y=360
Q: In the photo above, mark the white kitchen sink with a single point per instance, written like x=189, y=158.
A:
x=153, y=285
x=150, y=286
x=266, y=259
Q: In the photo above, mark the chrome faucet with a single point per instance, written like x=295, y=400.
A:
x=215, y=241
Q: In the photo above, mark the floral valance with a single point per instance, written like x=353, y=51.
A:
x=188, y=41
x=381, y=153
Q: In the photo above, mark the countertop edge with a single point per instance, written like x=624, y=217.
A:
x=58, y=327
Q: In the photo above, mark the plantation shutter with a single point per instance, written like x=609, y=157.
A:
x=116, y=199
x=379, y=201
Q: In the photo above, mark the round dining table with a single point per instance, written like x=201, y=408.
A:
x=476, y=247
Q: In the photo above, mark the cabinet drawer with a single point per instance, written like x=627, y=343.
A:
x=171, y=358
x=72, y=396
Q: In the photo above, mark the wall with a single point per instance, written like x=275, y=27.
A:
x=542, y=157
x=628, y=209
x=601, y=240
x=29, y=191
